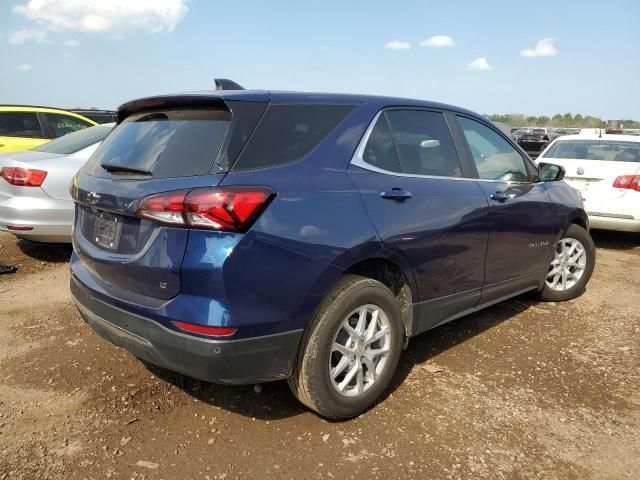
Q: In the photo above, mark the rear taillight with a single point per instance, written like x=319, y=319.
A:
x=23, y=177
x=232, y=209
x=164, y=207
x=629, y=182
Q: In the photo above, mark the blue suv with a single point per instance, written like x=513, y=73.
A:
x=248, y=236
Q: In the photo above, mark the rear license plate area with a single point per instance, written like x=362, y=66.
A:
x=580, y=184
x=106, y=231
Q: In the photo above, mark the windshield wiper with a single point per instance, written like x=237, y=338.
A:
x=111, y=168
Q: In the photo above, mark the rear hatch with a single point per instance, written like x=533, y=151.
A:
x=161, y=145
x=592, y=166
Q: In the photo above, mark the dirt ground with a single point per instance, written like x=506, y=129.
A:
x=520, y=390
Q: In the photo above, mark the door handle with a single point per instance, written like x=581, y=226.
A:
x=501, y=196
x=396, y=194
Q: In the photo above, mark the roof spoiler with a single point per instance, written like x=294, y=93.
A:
x=169, y=101
x=226, y=84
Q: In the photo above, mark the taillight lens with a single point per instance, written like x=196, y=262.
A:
x=164, y=207
x=23, y=177
x=205, y=330
x=629, y=182
x=232, y=209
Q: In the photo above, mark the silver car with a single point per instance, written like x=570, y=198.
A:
x=35, y=203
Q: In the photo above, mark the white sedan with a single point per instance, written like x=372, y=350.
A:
x=35, y=203
x=606, y=170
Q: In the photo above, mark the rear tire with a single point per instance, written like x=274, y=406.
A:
x=340, y=371
x=572, y=266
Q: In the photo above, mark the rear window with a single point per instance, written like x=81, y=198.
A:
x=607, y=150
x=76, y=141
x=163, y=143
x=288, y=133
x=20, y=124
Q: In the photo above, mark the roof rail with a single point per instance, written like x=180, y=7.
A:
x=226, y=84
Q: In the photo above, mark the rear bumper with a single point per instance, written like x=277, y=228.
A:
x=609, y=222
x=244, y=361
x=50, y=219
x=618, y=213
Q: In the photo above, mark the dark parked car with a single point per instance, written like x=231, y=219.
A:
x=536, y=140
x=519, y=132
x=98, y=116
x=248, y=236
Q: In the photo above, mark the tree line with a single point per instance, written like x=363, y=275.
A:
x=558, y=120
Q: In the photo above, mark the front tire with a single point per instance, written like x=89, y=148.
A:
x=571, y=267
x=351, y=349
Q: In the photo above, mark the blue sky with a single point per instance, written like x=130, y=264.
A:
x=100, y=53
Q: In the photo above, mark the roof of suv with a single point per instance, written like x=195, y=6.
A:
x=291, y=97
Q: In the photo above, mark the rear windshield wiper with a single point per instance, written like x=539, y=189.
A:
x=112, y=168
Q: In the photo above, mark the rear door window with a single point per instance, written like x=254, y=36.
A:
x=424, y=143
x=20, y=124
x=62, y=124
x=287, y=133
x=163, y=143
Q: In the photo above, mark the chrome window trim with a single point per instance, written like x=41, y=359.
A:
x=358, y=161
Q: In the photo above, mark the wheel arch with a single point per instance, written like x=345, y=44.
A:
x=579, y=219
x=394, y=277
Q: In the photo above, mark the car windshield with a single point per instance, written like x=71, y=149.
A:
x=606, y=150
x=75, y=141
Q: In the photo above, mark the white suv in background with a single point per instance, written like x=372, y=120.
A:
x=606, y=170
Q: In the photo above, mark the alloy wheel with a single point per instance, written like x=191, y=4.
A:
x=360, y=350
x=567, y=266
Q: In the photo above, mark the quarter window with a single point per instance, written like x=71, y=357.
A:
x=20, y=124
x=63, y=124
x=495, y=158
x=288, y=133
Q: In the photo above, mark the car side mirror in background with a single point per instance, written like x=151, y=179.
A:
x=549, y=172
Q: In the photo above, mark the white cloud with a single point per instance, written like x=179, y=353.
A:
x=27, y=35
x=105, y=16
x=71, y=43
x=397, y=45
x=25, y=67
x=438, y=41
x=480, y=64
x=544, y=48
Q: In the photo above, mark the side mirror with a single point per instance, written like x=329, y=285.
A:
x=549, y=172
